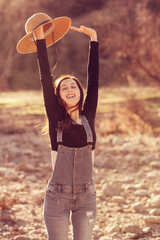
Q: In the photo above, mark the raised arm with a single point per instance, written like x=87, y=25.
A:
x=45, y=75
x=91, y=100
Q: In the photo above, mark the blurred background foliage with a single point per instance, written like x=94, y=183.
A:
x=128, y=32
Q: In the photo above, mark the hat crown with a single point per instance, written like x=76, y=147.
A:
x=36, y=20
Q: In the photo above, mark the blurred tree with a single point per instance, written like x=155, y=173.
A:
x=85, y=6
x=13, y=17
x=131, y=48
x=128, y=32
x=154, y=6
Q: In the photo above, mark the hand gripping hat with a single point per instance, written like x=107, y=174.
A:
x=54, y=29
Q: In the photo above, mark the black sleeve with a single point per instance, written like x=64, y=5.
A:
x=91, y=100
x=46, y=79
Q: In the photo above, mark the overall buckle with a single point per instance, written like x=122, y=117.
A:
x=90, y=146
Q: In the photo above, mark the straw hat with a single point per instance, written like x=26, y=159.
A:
x=54, y=29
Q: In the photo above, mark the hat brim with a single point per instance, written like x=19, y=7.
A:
x=61, y=27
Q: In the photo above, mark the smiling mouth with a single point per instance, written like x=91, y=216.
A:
x=70, y=96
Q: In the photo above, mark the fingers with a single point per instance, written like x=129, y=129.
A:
x=76, y=29
x=81, y=29
x=88, y=31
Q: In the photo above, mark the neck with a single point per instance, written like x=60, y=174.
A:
x=74, y=115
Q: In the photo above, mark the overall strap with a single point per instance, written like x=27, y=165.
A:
x=87, y=129
x=59, y=137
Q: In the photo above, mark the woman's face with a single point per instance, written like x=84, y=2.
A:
x=70, y=92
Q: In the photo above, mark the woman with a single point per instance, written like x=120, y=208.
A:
x=72, y=134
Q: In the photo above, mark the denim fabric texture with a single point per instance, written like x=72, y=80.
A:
x=62, y=207
x=70, y=194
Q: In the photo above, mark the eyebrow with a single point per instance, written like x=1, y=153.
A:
x=66, y=85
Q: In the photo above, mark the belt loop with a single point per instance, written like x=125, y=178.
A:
x=59, y=187
x=86, y=186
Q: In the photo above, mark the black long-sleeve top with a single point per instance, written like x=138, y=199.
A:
x=76, y=135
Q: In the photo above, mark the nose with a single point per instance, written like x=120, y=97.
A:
x=69, y=92
x=69, y=89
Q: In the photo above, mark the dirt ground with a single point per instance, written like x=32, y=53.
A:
x=126, y=167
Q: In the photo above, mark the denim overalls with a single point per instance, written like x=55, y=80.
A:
x=71, y=189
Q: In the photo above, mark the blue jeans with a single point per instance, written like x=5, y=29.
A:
x=57, y=209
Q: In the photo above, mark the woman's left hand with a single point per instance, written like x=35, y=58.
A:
x=88, y=31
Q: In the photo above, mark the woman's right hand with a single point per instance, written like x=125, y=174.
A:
x=38, y=33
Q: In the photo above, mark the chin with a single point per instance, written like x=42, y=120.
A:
x=71, y=104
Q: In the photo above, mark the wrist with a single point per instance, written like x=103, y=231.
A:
x=39, y=36
x=94, y=38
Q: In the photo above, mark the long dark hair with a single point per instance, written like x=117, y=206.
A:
x=64, y=119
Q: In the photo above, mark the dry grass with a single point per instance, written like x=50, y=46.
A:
x=121, y=111
x=130, y=111
x=7, y=200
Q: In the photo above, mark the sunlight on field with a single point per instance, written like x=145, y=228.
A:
x=109, y=97
x=32, y=101
x=20, y=97
x=29, y=102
